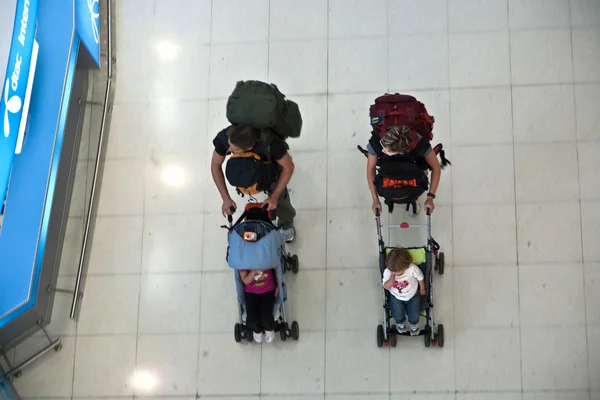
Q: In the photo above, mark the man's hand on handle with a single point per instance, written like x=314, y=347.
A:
x=228, y=207
x=271, y=202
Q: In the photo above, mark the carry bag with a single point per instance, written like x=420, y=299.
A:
x=401, y=109
x=262, y=106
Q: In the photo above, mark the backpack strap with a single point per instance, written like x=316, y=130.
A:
x=262, y=147
x=375, y=143
x=422, y=145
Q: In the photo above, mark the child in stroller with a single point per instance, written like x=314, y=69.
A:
x=256, y=251
x=428, y=259
x=403, y=280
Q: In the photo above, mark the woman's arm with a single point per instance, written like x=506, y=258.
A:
x=371, y=170
x=436, y=171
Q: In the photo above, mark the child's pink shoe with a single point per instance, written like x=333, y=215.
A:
x=258, y=337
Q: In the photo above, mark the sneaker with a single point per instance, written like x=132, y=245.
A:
x=269, y=336
x=414, y=329
x=258, y=337
x=401, y=327
x=289, y=234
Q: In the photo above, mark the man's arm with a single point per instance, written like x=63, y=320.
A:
x=287, y=170
x=216, y=169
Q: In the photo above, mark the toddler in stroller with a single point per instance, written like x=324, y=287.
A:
x=256, y=251
x=421, y=266
x=406, y=284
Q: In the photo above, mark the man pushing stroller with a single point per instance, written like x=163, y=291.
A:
x=259, y=161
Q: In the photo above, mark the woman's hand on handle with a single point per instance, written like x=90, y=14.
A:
x=376, y=207
x=429, y=205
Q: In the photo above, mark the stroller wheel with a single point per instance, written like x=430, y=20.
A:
x=379, y=335
x=393, y=340
x=427, y=337
x=440, y=263
x=237, y=332
x=440, y=335
x=295, y=330
x=249, y=335
x=283, y=331
x=295, y=264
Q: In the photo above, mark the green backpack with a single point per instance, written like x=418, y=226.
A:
x=262, y=106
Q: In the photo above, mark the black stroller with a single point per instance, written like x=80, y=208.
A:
x=429, y=259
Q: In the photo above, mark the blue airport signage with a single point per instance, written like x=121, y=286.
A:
x=14, y=86
x=88, y=26
x=34, y=171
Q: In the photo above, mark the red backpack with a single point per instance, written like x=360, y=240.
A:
x=401, y=109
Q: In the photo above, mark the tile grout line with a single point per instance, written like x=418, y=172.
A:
x=140, y=274
x=516, y=215
x=450, y=144
x=326, y=208
x=199, y=336
x=260, y=374
x=358, y=92
x=587, y=342
x=387, y=65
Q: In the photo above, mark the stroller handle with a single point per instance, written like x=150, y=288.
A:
x=230, y=217
x=406, y=225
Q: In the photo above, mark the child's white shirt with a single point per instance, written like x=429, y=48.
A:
x=407, y=284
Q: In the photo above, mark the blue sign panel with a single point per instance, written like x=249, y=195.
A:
x=88, y=26
x=14, y=87
x=33, y=175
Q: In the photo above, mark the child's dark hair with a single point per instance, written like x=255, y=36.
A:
x=398, y=260
x=243, y=136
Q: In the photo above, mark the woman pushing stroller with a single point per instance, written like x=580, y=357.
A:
x=399, y=152
x=397, y=145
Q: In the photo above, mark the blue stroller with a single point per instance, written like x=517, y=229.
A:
x=254, y=242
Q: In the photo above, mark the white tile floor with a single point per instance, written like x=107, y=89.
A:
x=515, y=88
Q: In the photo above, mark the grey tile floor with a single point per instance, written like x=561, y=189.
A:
x=515, y=89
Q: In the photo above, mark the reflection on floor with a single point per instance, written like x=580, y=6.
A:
x=514, y=86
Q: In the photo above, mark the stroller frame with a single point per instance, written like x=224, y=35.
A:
x=386, y=334
x=288, y=262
